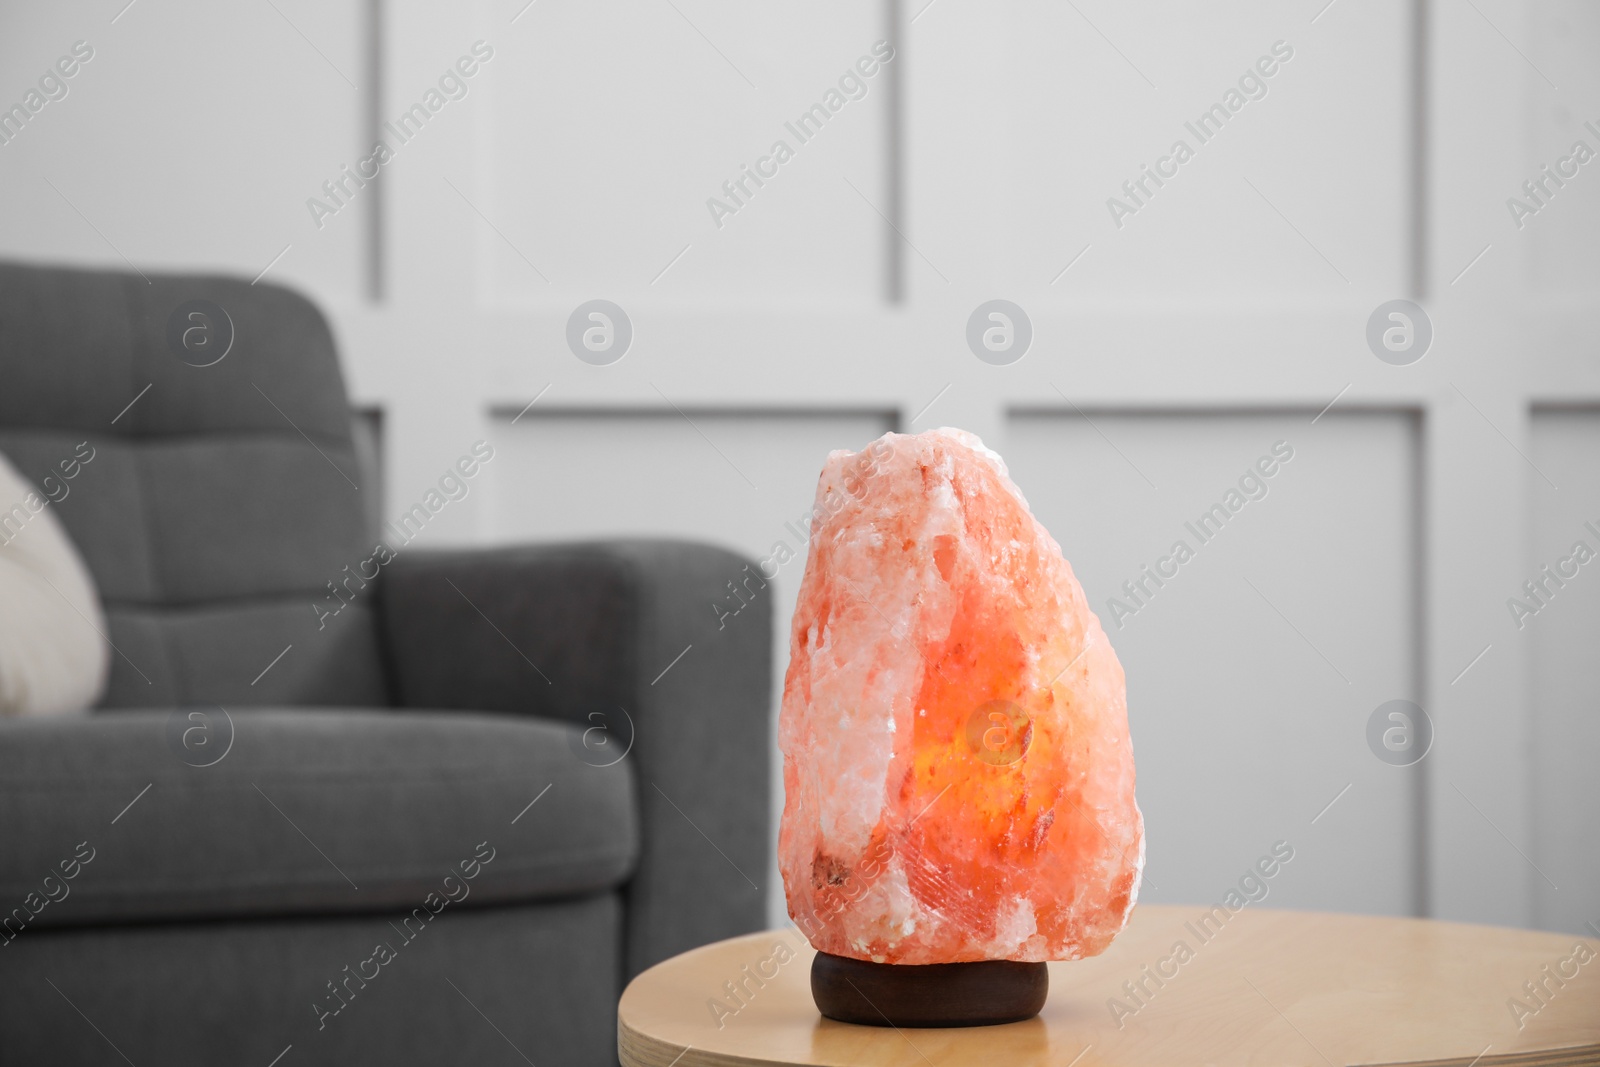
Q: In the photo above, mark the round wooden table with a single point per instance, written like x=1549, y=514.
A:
x=1259, y=987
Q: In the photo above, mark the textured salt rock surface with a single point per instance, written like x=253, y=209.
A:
x=958, y=775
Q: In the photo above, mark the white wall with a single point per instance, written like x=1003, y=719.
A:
x=1565, y=673
x=1252, y=671
x=1225, y=314
x=190, y=139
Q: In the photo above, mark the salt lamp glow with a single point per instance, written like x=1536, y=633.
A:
x=958, y=776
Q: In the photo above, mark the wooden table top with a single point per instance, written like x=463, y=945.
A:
x=1268, y=987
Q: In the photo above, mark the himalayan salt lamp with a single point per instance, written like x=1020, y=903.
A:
x=959, y=786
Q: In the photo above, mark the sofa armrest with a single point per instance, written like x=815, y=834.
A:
x=626, y=639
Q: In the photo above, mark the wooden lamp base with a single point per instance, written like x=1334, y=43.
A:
x=983, y=993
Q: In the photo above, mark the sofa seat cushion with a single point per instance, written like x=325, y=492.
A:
x=158, y=814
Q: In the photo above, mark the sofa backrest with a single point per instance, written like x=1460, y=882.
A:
x=212, y=503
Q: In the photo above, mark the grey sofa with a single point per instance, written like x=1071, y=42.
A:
x=411, y=839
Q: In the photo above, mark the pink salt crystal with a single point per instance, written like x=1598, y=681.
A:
x=957, y=770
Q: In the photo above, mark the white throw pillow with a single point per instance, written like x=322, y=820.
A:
x=53, y=649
